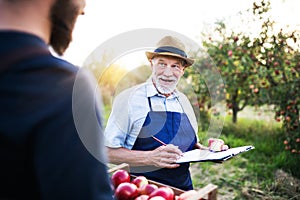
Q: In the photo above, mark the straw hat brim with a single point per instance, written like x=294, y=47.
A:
x=150, y=55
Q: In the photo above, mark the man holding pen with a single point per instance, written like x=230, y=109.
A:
x=152, y=124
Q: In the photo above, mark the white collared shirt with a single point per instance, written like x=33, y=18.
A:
x=130, y=109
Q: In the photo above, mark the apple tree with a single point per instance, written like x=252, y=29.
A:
x=208, y=88
x=233, y=55
x=260, y=67
x=278, y=62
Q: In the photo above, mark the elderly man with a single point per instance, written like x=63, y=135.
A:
x=153, y=123
x=42, y=156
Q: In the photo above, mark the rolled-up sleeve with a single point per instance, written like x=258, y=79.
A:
x=114, y=136
x=118, y=123
x=126, y=119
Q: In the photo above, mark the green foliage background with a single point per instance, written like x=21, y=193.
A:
x=260, y=67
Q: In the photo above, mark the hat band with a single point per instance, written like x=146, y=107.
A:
x=170, y=49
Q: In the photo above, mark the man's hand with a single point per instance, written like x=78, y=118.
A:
x=200, y=146
x=165, y=156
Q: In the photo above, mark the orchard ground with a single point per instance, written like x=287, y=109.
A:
x=267, y=172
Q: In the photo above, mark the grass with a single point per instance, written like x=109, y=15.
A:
x=251, y=175
x=268, y=172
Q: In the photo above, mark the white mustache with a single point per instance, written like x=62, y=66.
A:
x=167, y=78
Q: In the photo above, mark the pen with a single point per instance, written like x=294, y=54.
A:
x=158, y=140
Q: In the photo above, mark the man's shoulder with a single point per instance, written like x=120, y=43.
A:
x=50, y=62
x=39, y=59
x=25, y=52
x=181, y=94
x=132, y=92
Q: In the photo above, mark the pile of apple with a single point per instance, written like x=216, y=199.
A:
x=139, y=188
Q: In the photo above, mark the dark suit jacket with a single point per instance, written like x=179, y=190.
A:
x=41, y=153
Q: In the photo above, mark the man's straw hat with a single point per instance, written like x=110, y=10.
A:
x=170, y=46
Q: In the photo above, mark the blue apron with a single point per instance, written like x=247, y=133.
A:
x=171, y=128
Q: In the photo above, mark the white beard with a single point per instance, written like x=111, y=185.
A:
x=164, y=89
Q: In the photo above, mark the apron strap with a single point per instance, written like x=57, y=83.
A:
x=149, y=102
x=180, y=104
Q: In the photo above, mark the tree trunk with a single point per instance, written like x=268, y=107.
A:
x=235, y=106
x=234, y=114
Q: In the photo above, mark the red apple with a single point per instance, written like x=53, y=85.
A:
x=278, y=119
x=142, y=197
x=120, y=176
x=229, y=105
x=225, y=147
x=126, y=191
x=157, y=198
x=148, y=189
x=187, y=195
x=164, y=192
x=215, y=144
x=235, y=38
x=140, y=181
x=210, y=141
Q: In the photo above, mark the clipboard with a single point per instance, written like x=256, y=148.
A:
x=199, y=155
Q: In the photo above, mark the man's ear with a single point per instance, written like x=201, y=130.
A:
x=151, y=63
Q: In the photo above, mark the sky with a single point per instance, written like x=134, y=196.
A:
x=106, y=19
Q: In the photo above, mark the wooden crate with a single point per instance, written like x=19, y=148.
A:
x=209, y=192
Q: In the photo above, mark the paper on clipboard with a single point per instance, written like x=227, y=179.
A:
x=198, y=155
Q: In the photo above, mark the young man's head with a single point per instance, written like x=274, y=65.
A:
x=51, y=20
x=63, y=16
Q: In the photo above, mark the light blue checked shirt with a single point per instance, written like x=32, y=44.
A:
x=130, y=109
